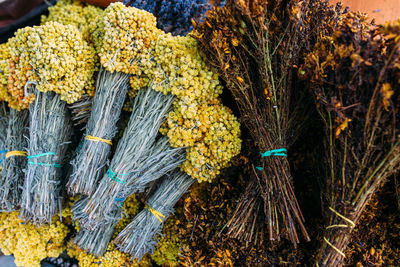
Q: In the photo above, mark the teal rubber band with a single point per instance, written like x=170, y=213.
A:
x=3, y=151
x=274, y=152
x=42, y=155
x=115, y=177
x=55, y=165
x=259, y=168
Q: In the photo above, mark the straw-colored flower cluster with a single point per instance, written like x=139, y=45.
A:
x=29, y=243
x=128, y=32
x=53, y=57
x=4, y=70
x=86, y=18
x=210, y=131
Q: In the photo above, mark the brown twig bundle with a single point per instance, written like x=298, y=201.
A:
x=256, y=46
x=354, y=69
x=14, y=163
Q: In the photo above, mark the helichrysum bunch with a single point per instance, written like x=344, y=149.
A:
x=128, y=32
x=86, y=18
x=52, y=56
x=4, y=70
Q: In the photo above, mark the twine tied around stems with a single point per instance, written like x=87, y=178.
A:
x=98, y=139
x=114, y=176
x=156, y=213
x=350, y=222
x=55, y=165
x=280, y=152
x=16, y=153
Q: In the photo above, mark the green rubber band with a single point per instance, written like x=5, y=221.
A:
x=55, y=165
x=275, y=152
x=115, y=177
x=42, y=155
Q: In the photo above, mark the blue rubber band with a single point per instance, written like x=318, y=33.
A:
x=3, y=151
x=115, y=177
x=55, y=165
x=275, y=152
x=119, y=199
x=281, y=152
x=42, y=155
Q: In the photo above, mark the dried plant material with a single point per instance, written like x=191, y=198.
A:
x=354, y=70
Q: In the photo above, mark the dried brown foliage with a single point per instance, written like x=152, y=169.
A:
x=354, y=73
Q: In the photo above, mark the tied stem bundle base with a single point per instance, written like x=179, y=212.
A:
x=14, y=162
x=138, y=159
x=49, y=136
x=140, y=236
x=89, y=165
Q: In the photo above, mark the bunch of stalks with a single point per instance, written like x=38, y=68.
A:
x=91, y=160
x=139, y=237
x=354, y=76
x=14, y=163
x=50, y=66
x=256, y=46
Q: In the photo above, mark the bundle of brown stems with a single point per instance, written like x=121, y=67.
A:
x=256, y=45
x=354, y=71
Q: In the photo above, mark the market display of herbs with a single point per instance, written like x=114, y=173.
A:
x=120, y=141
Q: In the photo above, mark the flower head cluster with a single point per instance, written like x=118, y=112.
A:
x=149, y=6
x=4, y=70
x=210, y=131
x=176, y=16
x=84, y=17
x=169, y=245
x=53, y=57
x=128, y=32
x=29, y=243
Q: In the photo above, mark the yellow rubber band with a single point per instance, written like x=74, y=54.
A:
x=156, y=213
x=16, y=153
x=337, y=226
x=98, y=139
x=344, y=218
x=335, y=248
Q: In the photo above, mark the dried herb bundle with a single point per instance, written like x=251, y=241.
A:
x=138, y=160
x=89, y=165
x=3, y=127
x=255, y=45
x=354, y=70
x=139, y=237
x=49, y=135
x=14, y=163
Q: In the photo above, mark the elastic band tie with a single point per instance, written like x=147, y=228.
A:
x=16, y=153
x=98, y=139
x=3, y=151
x=344, y=218
x=156, y=213
x=335, y=248
x=55, y=165
x=115, y=177
x=42, y=155
x=119, y=199
x=281, y=152
x=259, y=168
